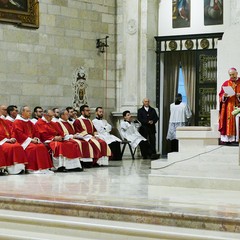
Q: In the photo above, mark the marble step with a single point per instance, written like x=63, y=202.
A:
x=33, y=226
x=209, y=151
x=202, y=182
x=213, y=169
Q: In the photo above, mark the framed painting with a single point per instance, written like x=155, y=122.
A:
x=181, y=13
x=23, y=13
x=213, y=12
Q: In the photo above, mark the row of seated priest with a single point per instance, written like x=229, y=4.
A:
x=52, y=141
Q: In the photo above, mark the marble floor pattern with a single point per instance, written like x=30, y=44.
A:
x=122, y=188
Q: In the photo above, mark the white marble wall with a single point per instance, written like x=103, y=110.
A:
x=136, y=27
x=228, y=47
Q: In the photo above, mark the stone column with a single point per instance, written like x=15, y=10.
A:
x=136, y=28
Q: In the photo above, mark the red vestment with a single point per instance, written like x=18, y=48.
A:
x=84, y=127
x=227, y=120
x=86, y=149
x=9, y=123
x=37, y=154
x=48, y=130
x=3, y=162
x=13, y=152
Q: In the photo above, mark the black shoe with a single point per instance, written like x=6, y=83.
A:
x=61, y=169
x=75, y=170
x=115, y=159
x=86, y=164
x=155, y=156
x=96, y=165
x=3, y=172
x=21, y=172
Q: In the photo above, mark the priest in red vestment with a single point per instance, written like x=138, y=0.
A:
x=228, y=123
x=37, y=154
x=12, y=111
x=66, y=153
x=69, y=133
x=84, y=126
x=3, y=163
x=13, y=151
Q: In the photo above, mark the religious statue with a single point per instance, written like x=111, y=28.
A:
x=79, y=86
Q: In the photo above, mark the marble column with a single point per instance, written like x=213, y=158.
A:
x=136, y=28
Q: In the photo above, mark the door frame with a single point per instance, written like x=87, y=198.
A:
x=198, y=42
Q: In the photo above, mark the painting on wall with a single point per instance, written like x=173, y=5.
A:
x=181, y=13
x=213, y=12
x=20, y=12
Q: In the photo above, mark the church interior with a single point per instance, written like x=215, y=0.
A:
x=112, y=53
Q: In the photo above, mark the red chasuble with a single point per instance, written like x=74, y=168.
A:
x=85, y=126
x=227, y=120
x=37, y=154
x=48, y=130
x=3, y=162
x=86, y=149
x=13, y=152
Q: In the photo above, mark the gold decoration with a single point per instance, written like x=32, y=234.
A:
x=172, y=45
x=23, y=14
x=189, y=44
x=204, y=43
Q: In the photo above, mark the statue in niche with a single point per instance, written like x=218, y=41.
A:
x=79, y=86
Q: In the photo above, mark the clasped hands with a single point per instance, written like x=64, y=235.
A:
x=11, y=140
x=35, y=140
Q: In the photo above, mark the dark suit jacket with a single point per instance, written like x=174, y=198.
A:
x=145, y=116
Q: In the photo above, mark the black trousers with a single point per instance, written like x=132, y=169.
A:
x=150, y=136
x=145, y=149
x=116, y=150
x=174, y=145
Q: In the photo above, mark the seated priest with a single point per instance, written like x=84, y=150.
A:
x=84, y=126
x=69, y=133
x=56, y=114
x=24, y=131
x=129, y=132
x=3, y=164
x=13, y=151
x=66, y=154
x=12, y=111
x=104, y=128
x=37, y=113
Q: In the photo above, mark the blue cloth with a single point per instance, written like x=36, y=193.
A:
x=181, y=4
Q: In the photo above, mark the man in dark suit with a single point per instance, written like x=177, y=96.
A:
x=148, y=118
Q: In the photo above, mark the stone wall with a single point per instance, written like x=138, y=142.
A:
x=37, y=65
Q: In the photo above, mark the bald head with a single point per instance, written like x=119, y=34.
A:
x=146, y=102
x=3, y=110
x=233, y=74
